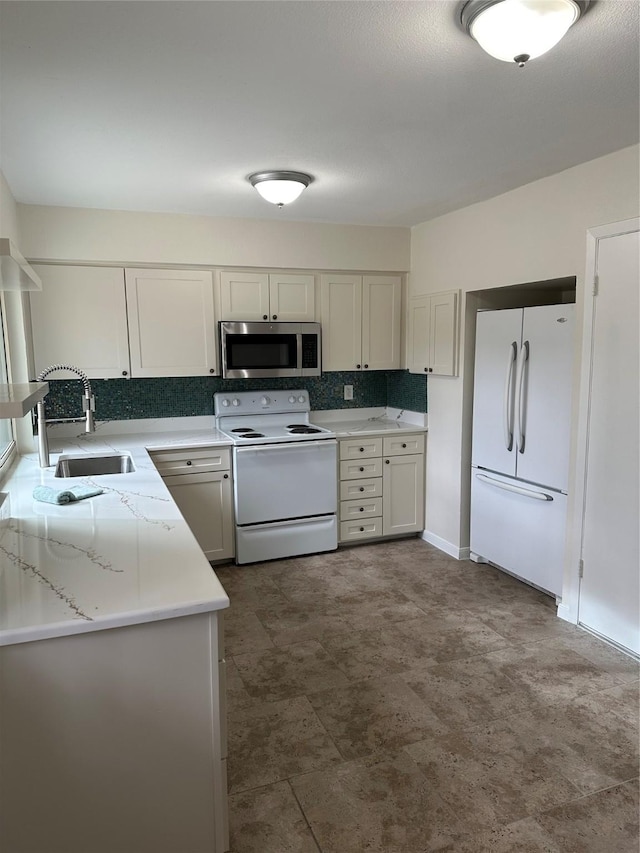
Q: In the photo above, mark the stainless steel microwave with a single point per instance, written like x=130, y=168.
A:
x=264, y=350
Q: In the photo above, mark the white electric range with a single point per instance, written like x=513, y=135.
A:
x=285, y=474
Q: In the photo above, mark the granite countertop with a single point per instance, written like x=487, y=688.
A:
x=121, y=558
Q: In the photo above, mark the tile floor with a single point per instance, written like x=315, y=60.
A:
x=387, y=698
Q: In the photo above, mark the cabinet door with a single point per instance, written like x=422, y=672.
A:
x=80, y=318
x=341, y=318
x=171, y=322
x=205, y=502
x=418, y=345
x=292, y=298
x=402, y=494
x=244, y=296
x=443, y=333
x=381, y=307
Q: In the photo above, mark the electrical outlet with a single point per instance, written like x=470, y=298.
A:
x=348, y=392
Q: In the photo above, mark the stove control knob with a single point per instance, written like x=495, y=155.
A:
x=265, y=401
x=301, y=398
x=292, y=399
x=236, y=402
x=225, y=403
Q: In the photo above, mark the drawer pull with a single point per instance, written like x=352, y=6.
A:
x=362, y=530
x=362, y=450
x=404, y=445
x=188, y=462
x=386, y=461
x=361, y=509
x=361, y=487
x=361, y=468
x=266, y=317
x=226, y=476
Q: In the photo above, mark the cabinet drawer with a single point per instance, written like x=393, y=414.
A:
x=364, y=508
x=352, y=490
x=361, y=448
x=191, y=460
x=401, y=445
x=360, y=469
x=366, y=529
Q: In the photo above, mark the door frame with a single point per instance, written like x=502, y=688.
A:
x=568, y=609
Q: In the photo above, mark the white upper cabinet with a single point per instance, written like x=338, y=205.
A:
x=361, y=324
x=171, y=322
x=80, y=318
x=433, y=333
x=292, y=298
x=112, y=322
x=381, y=322
x=254, y=297
x=244, y=296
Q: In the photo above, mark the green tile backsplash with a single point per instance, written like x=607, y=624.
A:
x=124, y=399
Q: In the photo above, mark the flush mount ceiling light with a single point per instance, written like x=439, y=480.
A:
x=280, y=187
x=519, y=30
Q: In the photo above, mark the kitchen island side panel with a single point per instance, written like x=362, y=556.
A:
x=111, y=741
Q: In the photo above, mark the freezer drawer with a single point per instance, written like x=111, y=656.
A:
x=518, y=527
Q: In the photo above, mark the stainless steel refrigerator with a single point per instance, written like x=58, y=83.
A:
x=520, y=451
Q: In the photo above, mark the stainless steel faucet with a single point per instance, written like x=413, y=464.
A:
x=88, y=406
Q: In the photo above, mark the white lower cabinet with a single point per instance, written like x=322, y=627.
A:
x=200, y=483
x=115, y=740
x=381, y=486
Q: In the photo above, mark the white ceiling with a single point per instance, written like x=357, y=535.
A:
x=399, y=115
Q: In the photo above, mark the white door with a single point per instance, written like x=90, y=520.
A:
x=381, y=301
x=519, y=527
x=244, y=296
x=544, y=420
x=80, y=318
x=418, y=346
x=205, y=502
x=341, y=318
x=171, y=322
x=292, y=298
x=403, y=494
x=276, y=482
x=498, y=336
x=443, y=333
x=609, y=594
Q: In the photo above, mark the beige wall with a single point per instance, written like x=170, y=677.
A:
x=73, y=234
x=534, y=233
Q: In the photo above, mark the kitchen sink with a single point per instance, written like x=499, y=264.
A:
x=88, y=466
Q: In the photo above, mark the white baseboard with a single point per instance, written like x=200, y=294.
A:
x=567, y=613
x=448, y=547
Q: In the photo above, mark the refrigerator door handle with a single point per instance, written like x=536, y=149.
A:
x=507, y=401
x=519, y=490
x=519, y=405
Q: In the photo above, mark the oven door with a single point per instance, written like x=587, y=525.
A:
x=274, y=482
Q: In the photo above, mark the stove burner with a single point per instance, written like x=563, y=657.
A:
x=243, y=429
x=297, y=426
x=302, y=430
x=252, y=434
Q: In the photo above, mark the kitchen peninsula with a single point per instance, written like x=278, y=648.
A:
x=112, y=714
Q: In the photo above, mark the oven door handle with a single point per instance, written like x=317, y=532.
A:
x=286, y=445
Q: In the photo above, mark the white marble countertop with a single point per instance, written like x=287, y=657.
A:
x=121, y=558
x=126, y=556
x=346, y=422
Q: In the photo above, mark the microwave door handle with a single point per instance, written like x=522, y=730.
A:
x=299, y=352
